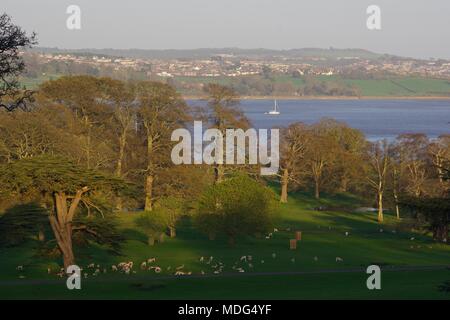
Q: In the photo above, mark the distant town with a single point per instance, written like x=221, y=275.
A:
x=229, y=65
x=259, y=72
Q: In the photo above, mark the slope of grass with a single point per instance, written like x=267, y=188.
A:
x=311, y=271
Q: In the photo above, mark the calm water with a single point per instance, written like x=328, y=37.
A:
x=378, y=119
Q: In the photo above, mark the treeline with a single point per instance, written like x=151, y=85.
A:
x=87, y=148
x=333, y=157
x=268, y=85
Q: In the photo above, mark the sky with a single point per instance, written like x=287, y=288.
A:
x=412, y=28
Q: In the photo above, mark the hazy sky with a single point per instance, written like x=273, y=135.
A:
x=415, y=28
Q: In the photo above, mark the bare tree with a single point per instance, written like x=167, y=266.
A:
x=379, y=160
x=160, y=110
x=223, y=113
x=293, y=147
x=414, y=153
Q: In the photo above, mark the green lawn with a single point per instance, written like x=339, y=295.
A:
x=287, y=274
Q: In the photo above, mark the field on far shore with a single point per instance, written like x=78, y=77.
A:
x=397, y=88
x=394, y=87
x=413, y=264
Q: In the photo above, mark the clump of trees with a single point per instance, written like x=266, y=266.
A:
x=326, y=155
x=236, y=207
x=433, y=211
x=162, y=219
x=22, y=222
x=332, y=157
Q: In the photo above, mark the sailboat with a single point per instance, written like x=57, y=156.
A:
x=275, y=111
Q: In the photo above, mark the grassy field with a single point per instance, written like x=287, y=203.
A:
x=392, y=87
x=402, y=87
x=413, y=265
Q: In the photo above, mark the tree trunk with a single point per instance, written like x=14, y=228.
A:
x=441, y=233
x=63, y=235
x=231, y=241
x=219, y=172
x=150, y=178
x=61, y=223
x=317, y=188
x=284, y=186
x=41, y=236
x=397, y=211
x=344, y=185
x=122, y=144
x=172, y=232
x=88, y=141
x=380, y=207
x=161, y=237
x=149, y=193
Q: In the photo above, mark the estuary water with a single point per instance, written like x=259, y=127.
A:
x=378, y=119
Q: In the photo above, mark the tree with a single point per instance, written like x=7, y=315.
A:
x=27, y=134
x=21, y=222
x=154, y=224
x=124, y=116
x=223, y=113
x=351, y=146
x=123, y=120
x=320, y=154
x=160, y=111
x=397, y=174
x=413, y=148
x=434, y=211
x=63, y=187
x=87, y=97
x=294, y=141
x=236, y=206
x=379, y=161
x=439, y=150
x=12, y=39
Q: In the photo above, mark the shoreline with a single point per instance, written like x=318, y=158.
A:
x=187, y=97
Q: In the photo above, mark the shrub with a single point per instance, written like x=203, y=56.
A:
x=235, y=207
x=154, y=223
x=23, y=222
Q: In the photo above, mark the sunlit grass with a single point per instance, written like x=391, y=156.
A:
x=323, y=239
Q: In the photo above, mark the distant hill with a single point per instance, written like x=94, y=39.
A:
x=204, y=53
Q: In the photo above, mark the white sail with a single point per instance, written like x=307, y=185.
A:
x=275, y=109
